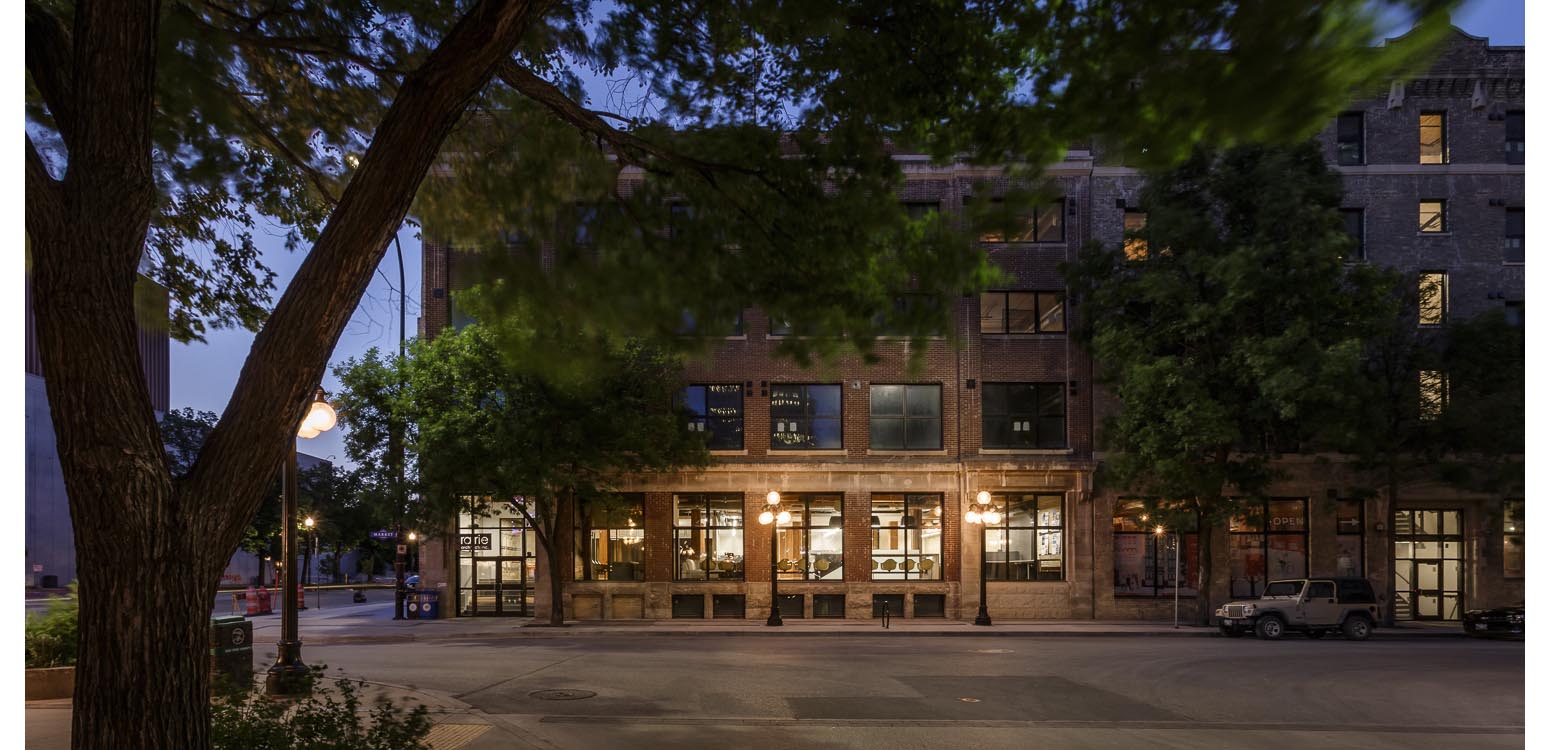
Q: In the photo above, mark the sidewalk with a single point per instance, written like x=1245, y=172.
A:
x=456, y=725
x=374, y=624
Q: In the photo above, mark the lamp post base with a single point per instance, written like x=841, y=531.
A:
x=983, y=618
x=774, y=618
x=289, y=676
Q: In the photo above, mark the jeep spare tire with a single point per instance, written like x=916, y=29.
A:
x=1270, y=628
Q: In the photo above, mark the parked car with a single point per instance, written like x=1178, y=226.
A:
x=413, y=581
x=1313, y=606
x=1507, y=621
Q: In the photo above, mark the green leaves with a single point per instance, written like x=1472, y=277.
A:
x=1240, y=342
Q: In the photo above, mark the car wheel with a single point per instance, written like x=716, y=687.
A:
x=1270, y=628
x=1357, y=628
x=1315, y=634
x=1230, y=631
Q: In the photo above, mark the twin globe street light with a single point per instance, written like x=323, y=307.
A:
x=772, y=516
x=289, y=676
x=982, y=514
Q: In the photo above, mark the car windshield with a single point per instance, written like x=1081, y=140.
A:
x=1282, y=590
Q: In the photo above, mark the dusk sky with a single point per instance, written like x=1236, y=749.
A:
x=204, y=374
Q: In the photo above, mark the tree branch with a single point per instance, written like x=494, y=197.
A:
x=48, y=62
x=289, y=356
x=44, y=210
x=318, y=179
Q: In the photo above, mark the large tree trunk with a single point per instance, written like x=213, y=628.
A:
x=1386, y=506
x=150, y=551
x=556, y=587
x=1203, y=609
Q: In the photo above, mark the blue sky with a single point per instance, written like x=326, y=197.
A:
x=203, y=375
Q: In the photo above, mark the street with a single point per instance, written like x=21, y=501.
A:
x=902, y=692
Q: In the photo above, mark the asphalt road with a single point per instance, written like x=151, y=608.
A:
x=901, y=693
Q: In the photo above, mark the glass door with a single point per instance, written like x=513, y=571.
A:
x=1428, y=565
x=496, y=567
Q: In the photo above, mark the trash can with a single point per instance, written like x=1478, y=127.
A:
x=231, y=648
x=430, y=605
x=412, y=605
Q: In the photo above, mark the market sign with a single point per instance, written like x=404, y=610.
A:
x=469, y=542
x=384, y=534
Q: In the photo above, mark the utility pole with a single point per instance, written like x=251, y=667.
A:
x=396, y=449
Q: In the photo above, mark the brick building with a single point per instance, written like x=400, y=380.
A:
x=878, y=464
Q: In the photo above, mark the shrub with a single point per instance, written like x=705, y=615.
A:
x=51, y=636
x=330, y=718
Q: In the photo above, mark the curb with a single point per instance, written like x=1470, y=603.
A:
x=806, y=633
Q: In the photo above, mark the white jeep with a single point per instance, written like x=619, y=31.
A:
x=1314, y=606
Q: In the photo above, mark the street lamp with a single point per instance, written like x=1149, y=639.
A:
x=289, y=676
x=982, y=514
x=310, y=552
x=772, y=516
x=1159, y=531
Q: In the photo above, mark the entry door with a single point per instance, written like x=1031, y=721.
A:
x=1428, y=564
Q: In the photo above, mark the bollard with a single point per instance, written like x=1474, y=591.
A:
x=887, y=610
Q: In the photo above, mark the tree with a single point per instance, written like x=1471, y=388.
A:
x=1235, y=338
x=167, y=131
x=491, y=432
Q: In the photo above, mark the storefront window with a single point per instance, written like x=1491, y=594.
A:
x=1268, y=540
x=708, y=537
x=496, y=561
x=812, y=546
x=1145, y=561
x=1028, y=544
x=906, y=537
x=610, y=539
x=1348, y=538
x=1512, y=538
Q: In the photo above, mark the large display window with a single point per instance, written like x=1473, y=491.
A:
x=708, y=537
x=611, y=539
x=1267, y=541
x=1146, y=561
x=812, y=546
x=906, y=537
x=1029, y=543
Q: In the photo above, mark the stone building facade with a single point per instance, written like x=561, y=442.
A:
x=868, y=519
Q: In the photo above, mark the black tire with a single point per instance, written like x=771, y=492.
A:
x=1230, y=631
x=1269, y=628
x=1315, y=634
x=1356, y=628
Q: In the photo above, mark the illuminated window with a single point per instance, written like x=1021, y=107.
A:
x=1434, y=217
x=1434, y=138
x=906, y=537
x=1512, y=538
x=1348, y=139
x=708, y=537
x=1028, y=542
x=805, y=417
x=1432, y=302
x=1434, y=393
x=610, y=539
x=1046, y=224
x=812, y=546
x=1135, y=247
x=1022, y=312
x=716, y=411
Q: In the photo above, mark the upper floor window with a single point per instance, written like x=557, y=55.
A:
x=918, y=210
x=1434, y=138
x=691, y=327
x=1024, y=415
x=1022, y=312
x=1432, y=302
x=1135, y=246
x=1355, y=225
x=1512, y=239
x=1433, y=394
x=1515, y=137
x=1045, y=224
x=1349, y=139
x=1433, y=217
x=907, y=417
x=717, y=413
x=805, y=417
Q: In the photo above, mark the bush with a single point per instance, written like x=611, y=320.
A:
x=51, y=636
x=331, y=718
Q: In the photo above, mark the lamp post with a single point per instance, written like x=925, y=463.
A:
x=311, y=550
x=773, y=516
x=1159, y=532
x=415, y=560
x=289, y=676
x=982, y=515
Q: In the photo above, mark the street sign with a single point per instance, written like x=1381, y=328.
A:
x=470, y=542
x=403, y=549
x=384, y=534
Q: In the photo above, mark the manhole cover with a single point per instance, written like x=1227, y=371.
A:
x=993, y=651
x=969, y=700
x=561, y=695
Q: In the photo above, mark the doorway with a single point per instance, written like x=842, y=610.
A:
x=496, y=568
x=1428, y=564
